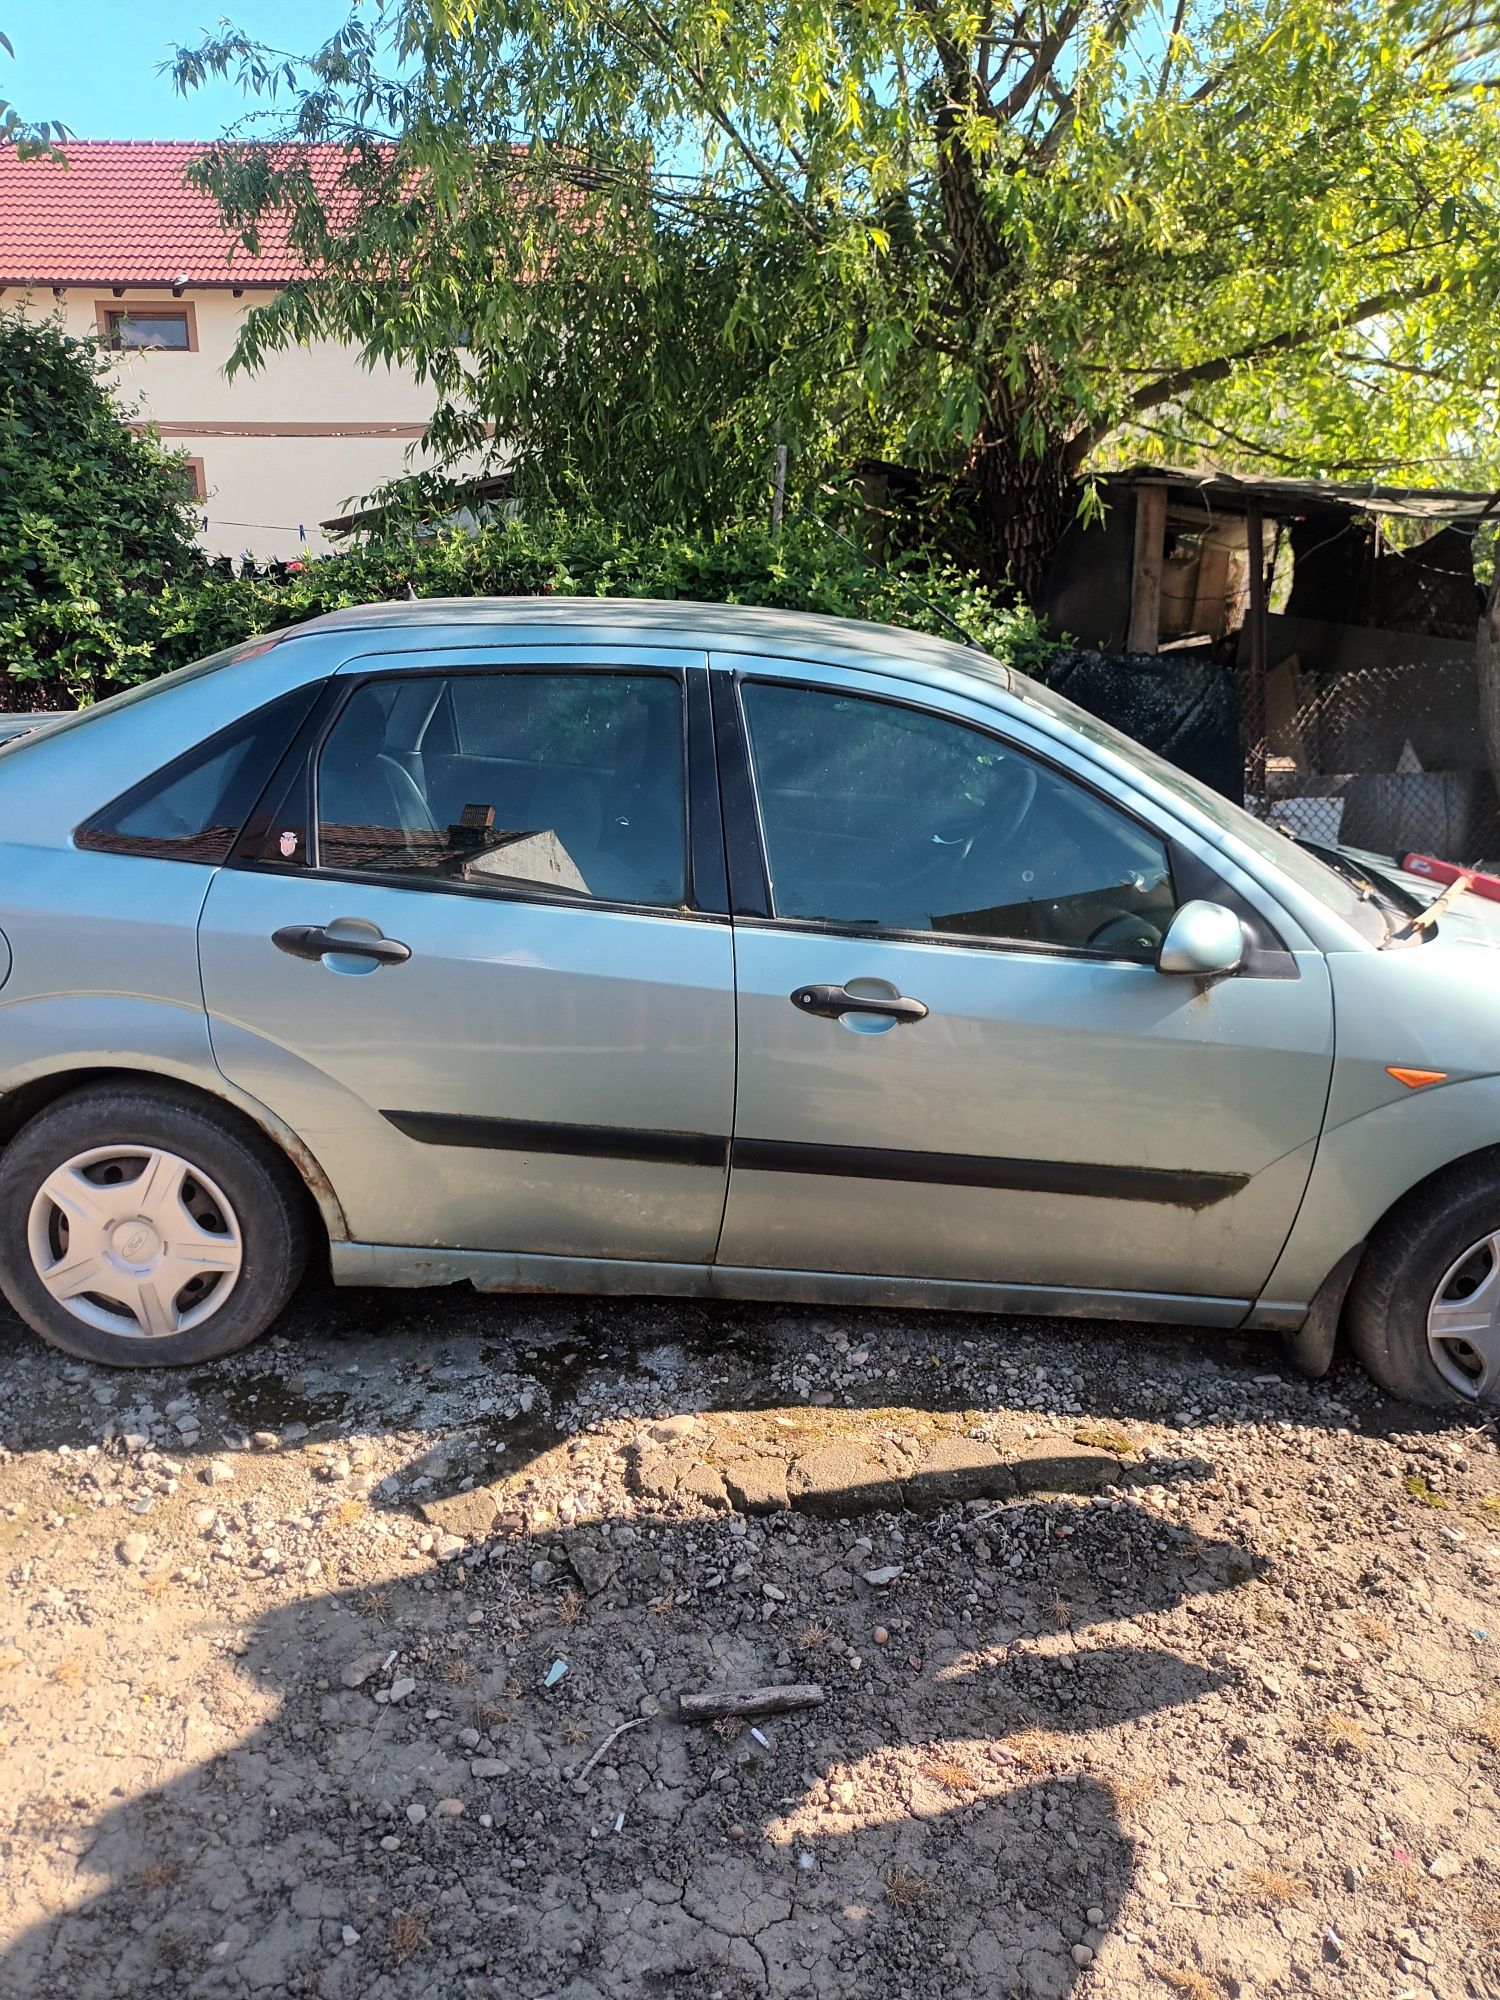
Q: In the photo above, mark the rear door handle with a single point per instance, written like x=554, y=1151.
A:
x=314, y=941
x=832, y=1001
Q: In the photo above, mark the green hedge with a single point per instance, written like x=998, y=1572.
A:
x=92, y=520
x=807, y=568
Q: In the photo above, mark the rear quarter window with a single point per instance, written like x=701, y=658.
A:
x=193, y=808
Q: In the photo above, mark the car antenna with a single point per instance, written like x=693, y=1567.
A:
x=937, y=610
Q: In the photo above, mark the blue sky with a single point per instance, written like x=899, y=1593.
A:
x=95, y=65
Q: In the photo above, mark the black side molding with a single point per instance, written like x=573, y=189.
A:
x=778, y=1156
x=532, y=1135
x=881, y=1163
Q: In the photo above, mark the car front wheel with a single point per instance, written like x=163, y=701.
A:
x=1424, y=1308
x=141, y=1227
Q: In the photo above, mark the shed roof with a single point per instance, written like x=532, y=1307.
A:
x=1231, y=492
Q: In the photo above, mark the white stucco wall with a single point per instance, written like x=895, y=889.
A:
x=277, y=450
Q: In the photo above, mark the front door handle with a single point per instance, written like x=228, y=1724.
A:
x=832, y=1001
x=314, y=941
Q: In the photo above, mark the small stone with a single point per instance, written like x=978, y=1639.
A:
x=390, y=1844
x=349, y=1934
x=1082, y=1954
x=594, y=1567
x=416, y=1813
x=1095, y=1916
x=359, y=1671
x=449, y=1808
x=880, y=1635
x=773, y=1593
x=264, y=1440
x=204, y=1518
x=217, y=1472
x=1443, y=1867
x=886, y=1573
x=134, y=1549
x=488, y=1767
x=400, y=1689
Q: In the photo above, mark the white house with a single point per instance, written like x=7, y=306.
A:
x=118, y=245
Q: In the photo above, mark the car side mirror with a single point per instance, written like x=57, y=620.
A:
x=1203, y=940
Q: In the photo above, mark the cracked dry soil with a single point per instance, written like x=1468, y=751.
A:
x=1175, y=1675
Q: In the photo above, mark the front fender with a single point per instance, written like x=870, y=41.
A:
x=1363, y=1168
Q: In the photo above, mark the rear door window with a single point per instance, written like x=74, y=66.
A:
x=570, y=784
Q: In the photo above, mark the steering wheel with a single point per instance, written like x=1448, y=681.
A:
x=1121, y=929
x=983, y=853
x=954, y=861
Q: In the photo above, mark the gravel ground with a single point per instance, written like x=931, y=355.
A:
x=350, y=1667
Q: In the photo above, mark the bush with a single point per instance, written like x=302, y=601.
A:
x=808, y=568
x=94, y=522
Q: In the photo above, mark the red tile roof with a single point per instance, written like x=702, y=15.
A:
x=119, y=213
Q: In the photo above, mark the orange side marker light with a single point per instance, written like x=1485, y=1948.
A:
x=1415, y=1079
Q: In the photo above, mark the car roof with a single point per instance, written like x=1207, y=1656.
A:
x=717, y=627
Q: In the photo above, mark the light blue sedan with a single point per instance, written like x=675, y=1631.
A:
x=697, y=950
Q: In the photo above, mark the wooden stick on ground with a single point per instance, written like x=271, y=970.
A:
x=710, y=1703
x=612, y=1738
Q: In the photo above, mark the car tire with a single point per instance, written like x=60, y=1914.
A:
x=128, y=1188
x=1440, y=1247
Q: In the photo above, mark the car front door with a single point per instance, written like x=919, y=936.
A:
x=957, y=1060
x=473, y=949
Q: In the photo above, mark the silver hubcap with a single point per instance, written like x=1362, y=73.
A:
x=134, y=1241
x=1463, y=1321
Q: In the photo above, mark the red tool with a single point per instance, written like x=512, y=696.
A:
x=1445, y=872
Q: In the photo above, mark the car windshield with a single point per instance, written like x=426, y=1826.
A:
x=1335, y=889
x=143, y=691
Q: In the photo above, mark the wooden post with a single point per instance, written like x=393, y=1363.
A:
x=778, y=491
x=1255, y=687
x=1145, y=569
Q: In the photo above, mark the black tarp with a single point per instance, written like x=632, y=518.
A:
x=1185, y=707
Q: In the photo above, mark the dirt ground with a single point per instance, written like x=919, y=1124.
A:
x=350, y=1667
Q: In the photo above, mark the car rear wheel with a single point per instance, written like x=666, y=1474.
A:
x=141, y=1227
x=1424, y=1309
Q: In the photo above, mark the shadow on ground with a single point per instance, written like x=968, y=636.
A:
x=932, y=1828
x=955, y=1819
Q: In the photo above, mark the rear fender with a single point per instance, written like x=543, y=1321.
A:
x=52, y=1044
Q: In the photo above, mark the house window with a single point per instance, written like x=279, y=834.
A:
x=194, y=483
x=128, y=329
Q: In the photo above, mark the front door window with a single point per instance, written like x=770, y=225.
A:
x=887, y=818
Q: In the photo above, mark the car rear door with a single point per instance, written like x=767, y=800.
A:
x=473, y=949
x=956, y=1058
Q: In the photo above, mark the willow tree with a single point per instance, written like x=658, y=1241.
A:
x=644, y=241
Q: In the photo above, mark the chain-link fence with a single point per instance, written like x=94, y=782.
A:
x=1387, y=758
